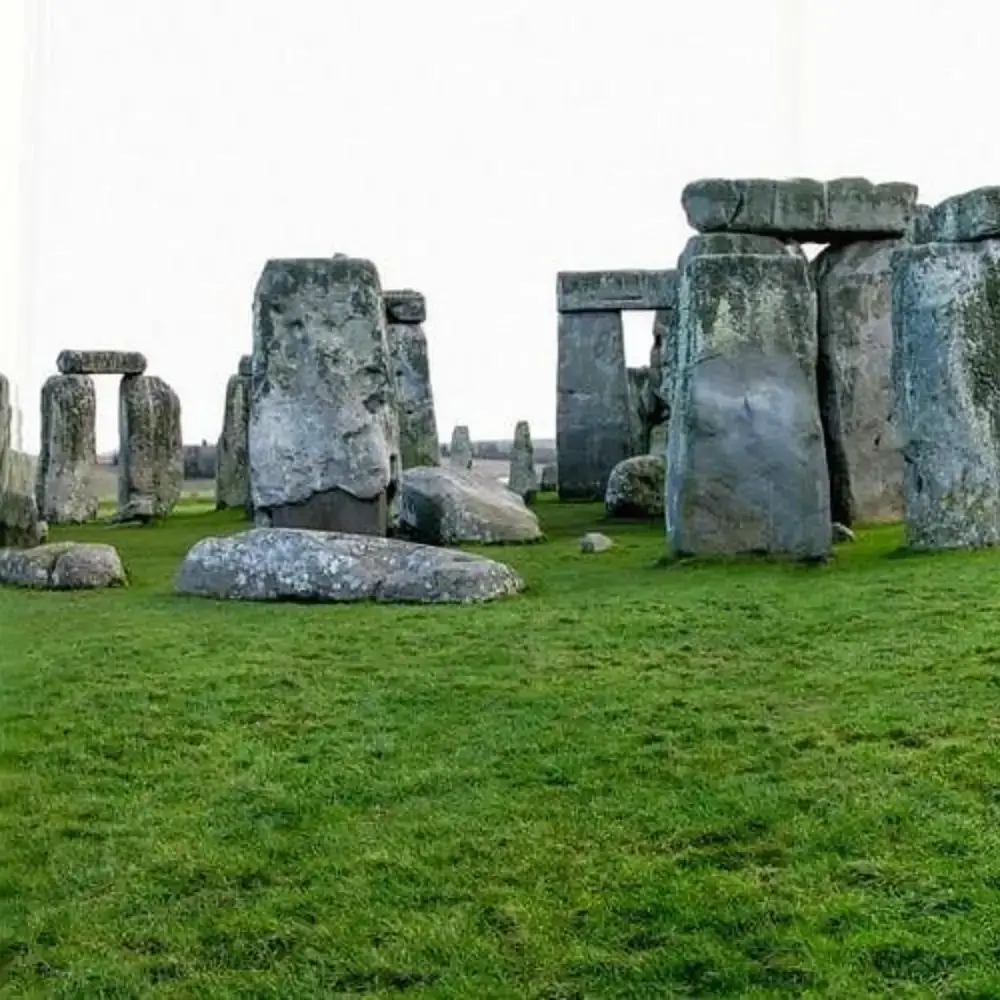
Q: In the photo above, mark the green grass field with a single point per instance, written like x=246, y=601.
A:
x=635, y=780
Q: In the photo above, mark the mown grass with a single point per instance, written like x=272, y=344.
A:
x=742, y=780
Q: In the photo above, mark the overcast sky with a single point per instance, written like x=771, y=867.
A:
x=470, y=149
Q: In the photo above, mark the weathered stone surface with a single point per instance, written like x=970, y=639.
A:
x=645, y=408
x=232, y=470
x=712, y=244
x=548, y=482
x=151, y=451
x=418, y=433
x=63, y=566
x=442, y=506
x=946, y=369
x=594, y=541
x=593, y=424
x=523, y=478
x=460, y=451
x=746, y=471
x=963, y=218
x=636, y=487
x=20, y=525
x=66, y=492
x=612, y=291
x=245, y=366
x=201, y=461
x=800, y=208
x=663, y=359
x=854, y=283
x=274, y=564
x=324, y=428
x=405, y=306
x=101, y=362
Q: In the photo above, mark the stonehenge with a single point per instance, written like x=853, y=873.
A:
x=460, y=451
x=406, y=311
x=324, y=428
x=523, y=479
x=232, y=469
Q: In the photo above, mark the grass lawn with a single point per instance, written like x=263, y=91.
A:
x=742, y=780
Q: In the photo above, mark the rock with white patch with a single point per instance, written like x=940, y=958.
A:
x=636, y=487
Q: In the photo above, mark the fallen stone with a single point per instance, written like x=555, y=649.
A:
x=66, y=490
x=800, y=208
x=594, y=541
x=523, y=479
x=746, y=469
x=62, y=566
x=946, y=370
x=101, y=362
x=460, y=452
x=405, y=306
x=548, y=481
x=245, y=366
x=636, y=487
x=854, y=285
x=963, y=218
x=324, y=427
x=841, y=533
x=443, y=506
x=232, y=468
x=593, y=419
x=613, y=291
x=151, y=450
x=281, y=564
x=418, y=433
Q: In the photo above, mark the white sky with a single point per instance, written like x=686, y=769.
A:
x=471, y=149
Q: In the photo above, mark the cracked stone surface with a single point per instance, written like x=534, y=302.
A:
x=946, y=370
x=284, y=564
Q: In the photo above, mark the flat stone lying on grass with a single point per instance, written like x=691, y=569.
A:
x=101, y=362
x=443, y=506
x=594, y=541
x=63, y=566
x=287, y=564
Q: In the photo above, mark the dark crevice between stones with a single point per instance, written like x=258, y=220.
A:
x=841, y=498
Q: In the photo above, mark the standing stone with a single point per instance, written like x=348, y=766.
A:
x=746, y=470
x=523, y=479
x=66, y=492
x=418, y=434
x=20, y=525
x=644, y=408
x=549, y=480
x=151, y=452
x=946, y=323
x=593, y=426
x=245, y=366
x=461, y=448
x=324, y=430
x=854, y=285
x=232, y=469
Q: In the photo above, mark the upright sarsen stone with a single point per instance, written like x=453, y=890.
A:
x=324, y=431
x=232, y=469
x=946, y=325
x=523, y=479
x=460, y=452
x=854, y=287
x=66, y=492
x=20, y=525
x=593, y=424
x=746, y=470
x=151, y=450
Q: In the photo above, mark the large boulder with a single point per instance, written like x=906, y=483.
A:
x=283, y=564
x=151, y=450
x=63, y=566
x=66, y=490
x=746, y=469
x=854, y=285
x=442, y=506
x=20, y=525
x=523, y=479
x=232, y=469
x=635, y=487
x=418, y=434
x=324, y=431
x=946, y=370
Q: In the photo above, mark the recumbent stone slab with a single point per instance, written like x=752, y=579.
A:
x=66, y=491
x=324, y=430
x=275, y=564
x=613, y=291
x=946, y=368
x=593, y=420
x=746, y=471
x=800, y=208
x=101, y=362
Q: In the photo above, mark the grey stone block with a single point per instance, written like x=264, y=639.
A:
x=963, y=218
x=612, y=291
x=101, y=363
x=405, y=306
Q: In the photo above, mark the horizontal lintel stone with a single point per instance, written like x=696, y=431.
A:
x=614, y=291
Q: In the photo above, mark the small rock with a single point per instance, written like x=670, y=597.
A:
x=594, y=541
x=63, y=566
